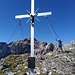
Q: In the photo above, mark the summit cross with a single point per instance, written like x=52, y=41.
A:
x=32, y=15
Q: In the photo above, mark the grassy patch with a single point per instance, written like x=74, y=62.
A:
x=55, y=73
x=20, y=73
x=13, y=61
x=1, y=72
x=73, y=45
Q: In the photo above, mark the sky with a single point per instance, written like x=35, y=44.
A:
x=62, y=20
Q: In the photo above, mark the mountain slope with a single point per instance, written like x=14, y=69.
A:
x=52, y=63
x=4, y=50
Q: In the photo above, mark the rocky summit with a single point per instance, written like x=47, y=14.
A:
x=23, y=46
x=49, y=59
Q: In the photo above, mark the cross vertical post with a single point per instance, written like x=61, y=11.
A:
x=32, y=43
x=32, y=15
x=32, y=28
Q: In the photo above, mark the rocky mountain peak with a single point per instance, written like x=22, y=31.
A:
x=70, y=45
x=23, y=46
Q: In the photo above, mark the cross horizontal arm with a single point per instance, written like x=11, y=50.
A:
x=22, y=16
x=44, y=14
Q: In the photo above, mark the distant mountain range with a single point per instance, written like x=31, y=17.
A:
x=23, y=46
x=70, y=45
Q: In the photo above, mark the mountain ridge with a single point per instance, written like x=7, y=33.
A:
x=23, y=46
